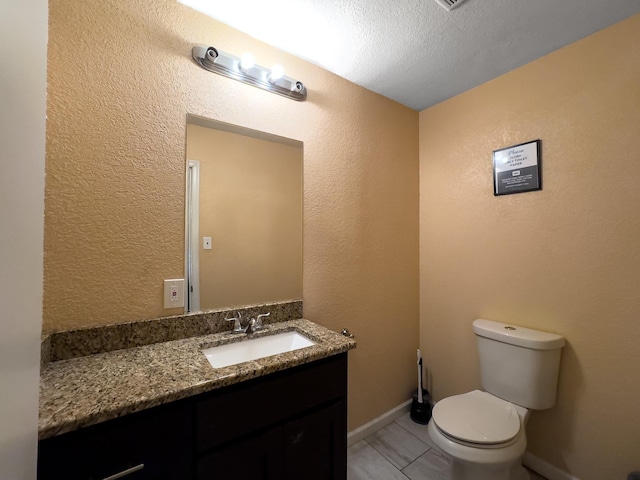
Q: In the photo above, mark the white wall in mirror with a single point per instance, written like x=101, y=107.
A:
x=244, y=193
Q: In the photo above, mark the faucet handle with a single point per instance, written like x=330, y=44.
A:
x=237, y=325
x=257, y=324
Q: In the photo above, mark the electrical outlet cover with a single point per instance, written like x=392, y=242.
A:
x=174, y=293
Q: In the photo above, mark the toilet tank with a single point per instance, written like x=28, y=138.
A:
x=519, y=364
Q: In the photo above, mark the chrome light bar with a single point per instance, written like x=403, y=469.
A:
x=243, y=70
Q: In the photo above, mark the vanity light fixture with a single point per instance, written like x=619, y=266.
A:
x=277, y=72
x=246, y=62
x=245, y=70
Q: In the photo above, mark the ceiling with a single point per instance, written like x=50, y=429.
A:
x=414, y=51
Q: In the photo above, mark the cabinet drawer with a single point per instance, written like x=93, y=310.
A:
x=237, y=410
x=159, y=439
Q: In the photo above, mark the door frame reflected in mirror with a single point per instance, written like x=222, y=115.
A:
x=192, y=229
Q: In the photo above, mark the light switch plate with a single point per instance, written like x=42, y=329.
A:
x=174, y=293
x=206, y=243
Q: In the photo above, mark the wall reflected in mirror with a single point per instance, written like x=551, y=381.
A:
x=243, y=232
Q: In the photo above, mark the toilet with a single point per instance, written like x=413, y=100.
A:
x=483, y=431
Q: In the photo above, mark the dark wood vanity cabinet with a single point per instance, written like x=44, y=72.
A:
x=312, y=447
x=289, y=425
x=315, y=445
x=284, y=426
x=152, y=445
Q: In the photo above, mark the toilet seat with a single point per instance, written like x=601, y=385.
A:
x=477, y=419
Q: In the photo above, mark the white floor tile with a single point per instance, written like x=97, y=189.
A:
x=365, y=463
x=398, y=445
x=416, y=429
x=430, y=466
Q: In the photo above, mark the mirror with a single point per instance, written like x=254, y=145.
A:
x=243, y=232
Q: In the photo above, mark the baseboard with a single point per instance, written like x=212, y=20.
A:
x=545, y=469
x=360, y=433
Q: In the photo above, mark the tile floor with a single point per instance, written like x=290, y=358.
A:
x=400, y=451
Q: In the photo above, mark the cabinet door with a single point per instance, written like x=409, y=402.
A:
x=258, y=457
x=231, y=413
x=315, y=446
x=151, y=445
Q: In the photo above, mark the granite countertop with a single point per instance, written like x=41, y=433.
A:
x=87, y=390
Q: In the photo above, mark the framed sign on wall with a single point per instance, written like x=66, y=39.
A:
x=516, y=169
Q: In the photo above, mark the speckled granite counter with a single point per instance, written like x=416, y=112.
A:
x=88, y=390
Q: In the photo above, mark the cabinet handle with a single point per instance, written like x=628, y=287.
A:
x=126, y=472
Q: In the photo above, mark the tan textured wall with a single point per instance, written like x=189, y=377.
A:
x=251, y=206
x=121, y=81
x=564, y=259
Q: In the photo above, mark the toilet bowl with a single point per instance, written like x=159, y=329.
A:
x=483, y=431
x=483, y=434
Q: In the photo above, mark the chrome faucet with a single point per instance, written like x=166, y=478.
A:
x=253, y=325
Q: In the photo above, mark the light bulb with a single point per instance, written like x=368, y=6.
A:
x=276, y=73
x=246, y=62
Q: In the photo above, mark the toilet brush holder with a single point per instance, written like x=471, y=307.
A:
x=421, y=411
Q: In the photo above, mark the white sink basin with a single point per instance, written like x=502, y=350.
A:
x=255, y=348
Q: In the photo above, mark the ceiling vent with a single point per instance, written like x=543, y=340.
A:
x=449, y=4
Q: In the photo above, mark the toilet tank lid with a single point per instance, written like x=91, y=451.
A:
x=520, y=336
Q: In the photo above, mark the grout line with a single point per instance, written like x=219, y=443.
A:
x=387, y=458
x=411, y=433
x=411, y=463
x=383, y=455
x=392, y=464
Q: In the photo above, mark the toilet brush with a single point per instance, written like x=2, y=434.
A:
x=421, y=405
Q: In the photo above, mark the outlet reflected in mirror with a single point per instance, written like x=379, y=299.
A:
x=243, y=233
